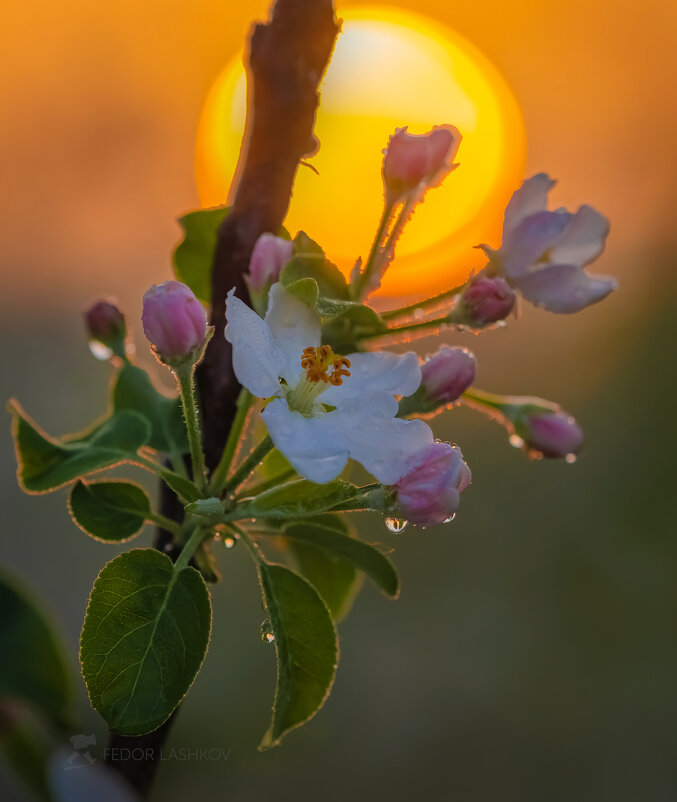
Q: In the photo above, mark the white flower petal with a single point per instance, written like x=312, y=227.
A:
x=315, y=447
x=527, y=244
x=583, y=240
x=379, y=371
x=294, y=326
x=564, y=289
x=530, y=198
x=384, y=445
x=257, y=361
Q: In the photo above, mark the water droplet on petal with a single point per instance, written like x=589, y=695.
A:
x=266, y=631
x=570, y=458
x=515, y=441
x=449, y=519
x=100, y=351
x=396, y=525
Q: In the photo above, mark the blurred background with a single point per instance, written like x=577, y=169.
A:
x=532, y=653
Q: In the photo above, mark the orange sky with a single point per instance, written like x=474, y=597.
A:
x=100, y=104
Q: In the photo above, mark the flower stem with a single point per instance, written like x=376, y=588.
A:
x=433, y=301
x=184, y=377
x=361, y=284
x=192, y=545
x=252, y=547
x=251, y=462
x=422, y=326
x=218, y=479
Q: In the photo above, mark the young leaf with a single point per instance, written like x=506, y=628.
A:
x=134, y=390
x=309, y=261
x=194, y=255
x=184, y=488
x=144, y=639
x=298, y=499
x=306, y=647
x=336, y=580
x=326, y=533
x=108, y=510
x=46, y=464
x=33, y=668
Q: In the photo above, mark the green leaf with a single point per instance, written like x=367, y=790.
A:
x=309, y=261
x=328, y=534
x=108, y=510
x=46, y=464
x=194, y=255
x=336, y=580
x=184, y=488
x=306, y=647
x=33, y=668
x=134, y=390
x=298, y=499
x=144, y=639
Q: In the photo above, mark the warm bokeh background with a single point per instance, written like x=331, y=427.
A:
x=533, y=653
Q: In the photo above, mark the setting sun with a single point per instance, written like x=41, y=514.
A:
x=391, y=68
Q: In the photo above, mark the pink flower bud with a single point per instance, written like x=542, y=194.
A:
x=174, y=321
x=486, y=300
x=430, y=492
x=448, y=373
x=269, y=256
x=552, y=434
x=106, y=325
x=411, y=160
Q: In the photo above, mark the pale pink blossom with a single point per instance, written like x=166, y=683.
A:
x=174, y=321
x=448, y=373
x=269, y=256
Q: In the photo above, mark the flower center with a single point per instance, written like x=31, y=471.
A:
x=323, y=368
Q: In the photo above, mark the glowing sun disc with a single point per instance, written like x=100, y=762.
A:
x=391, y=68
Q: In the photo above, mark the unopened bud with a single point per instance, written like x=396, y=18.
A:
x=106, y=326
x=553, y=434
x=175, y=322
x=447, y=374
x=430, y=492
x=485, y=300
x=269, y=256
x=413, y=160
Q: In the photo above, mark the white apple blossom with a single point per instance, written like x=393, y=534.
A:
x=543, y=252
x=324, y=408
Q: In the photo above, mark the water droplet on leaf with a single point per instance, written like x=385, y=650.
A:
x=266, y=631
x=396, y=525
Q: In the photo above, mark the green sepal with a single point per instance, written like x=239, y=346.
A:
x=306, y=645
x=207, y=509
x=33, y=669
x=111, y=511
x=134, y=390
x=45, y=463
x=194, y=255
x=144, y=638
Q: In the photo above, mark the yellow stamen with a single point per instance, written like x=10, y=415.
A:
x=316, y=361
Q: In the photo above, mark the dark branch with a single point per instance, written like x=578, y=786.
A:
x=287, y=58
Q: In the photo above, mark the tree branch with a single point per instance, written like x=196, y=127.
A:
x=287, y=58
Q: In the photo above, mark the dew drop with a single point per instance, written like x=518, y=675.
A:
x=419, y=313
x=396, y=525
x=449, y=519
x=229, y=541
x=570, y=458
x=100, y=351
x=515, y=441
x=266, y=631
